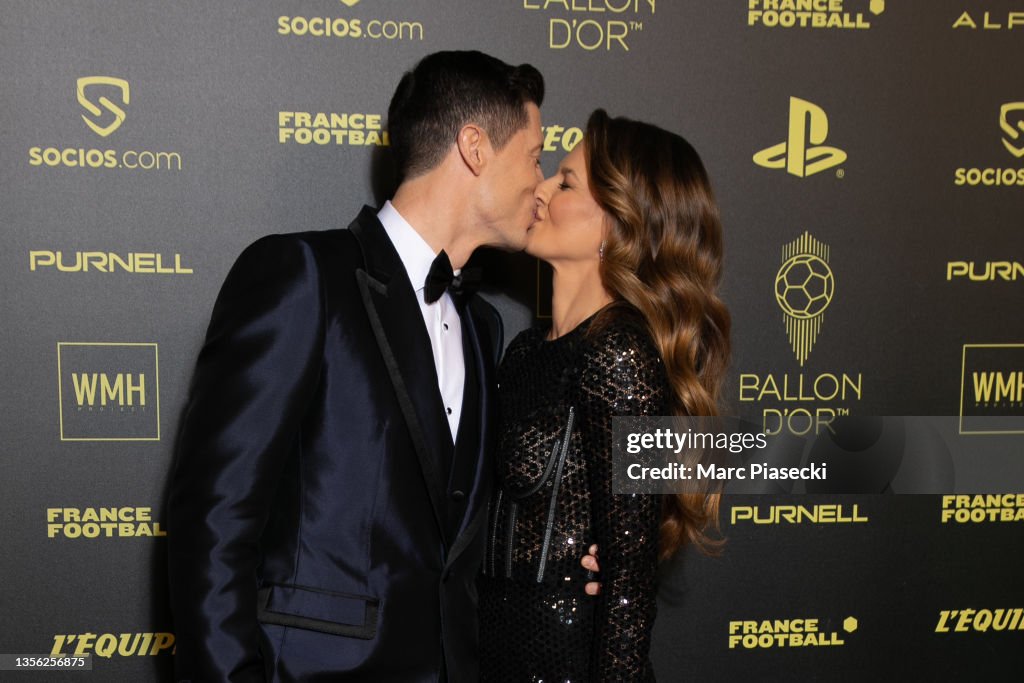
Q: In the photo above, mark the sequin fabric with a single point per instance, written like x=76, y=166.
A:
x=555, y=498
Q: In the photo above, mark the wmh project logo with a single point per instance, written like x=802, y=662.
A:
x=108, y=391
x=992, y=389
x=103, y=103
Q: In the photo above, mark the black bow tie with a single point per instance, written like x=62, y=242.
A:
x=441, y=278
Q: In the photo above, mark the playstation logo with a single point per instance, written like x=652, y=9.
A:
x=802, y=154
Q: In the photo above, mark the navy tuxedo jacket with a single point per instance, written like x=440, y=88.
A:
x=314, y=533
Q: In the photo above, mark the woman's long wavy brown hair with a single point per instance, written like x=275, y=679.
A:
x=663, y=255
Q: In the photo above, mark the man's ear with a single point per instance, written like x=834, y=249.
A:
x=473, y=145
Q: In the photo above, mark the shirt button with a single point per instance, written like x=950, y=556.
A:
x=445, y=326
x=448, y=410
x=458, y=496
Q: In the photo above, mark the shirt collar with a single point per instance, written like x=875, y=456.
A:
x=413, y=250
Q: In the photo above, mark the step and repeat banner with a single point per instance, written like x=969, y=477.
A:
x=868, y=157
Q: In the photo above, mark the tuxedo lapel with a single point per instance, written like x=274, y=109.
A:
x=397, y=323
x=480, y=491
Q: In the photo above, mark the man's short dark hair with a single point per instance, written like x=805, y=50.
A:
x=448, y=90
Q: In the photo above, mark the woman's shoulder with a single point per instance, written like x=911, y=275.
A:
x=621, y=331
x=621, y=366
x=526, y=341
x=620, y=355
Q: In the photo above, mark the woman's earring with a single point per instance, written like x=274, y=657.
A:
x=600, y=252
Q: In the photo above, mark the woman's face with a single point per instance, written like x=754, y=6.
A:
x=568, y=225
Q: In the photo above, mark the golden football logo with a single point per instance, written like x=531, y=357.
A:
x=804, y=287
x=350, y=3
x=802, y=154
x=1013, y=130
x=117, y=111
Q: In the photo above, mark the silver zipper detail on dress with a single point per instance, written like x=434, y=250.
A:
x=554, y=496
x=513, y=508
x=513, y=497
x=519, y=495
x=494, y=533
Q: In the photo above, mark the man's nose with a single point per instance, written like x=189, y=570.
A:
x=543, y=192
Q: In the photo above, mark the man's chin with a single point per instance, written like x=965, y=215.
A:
x=510, y=245
x=527, y=237
x=528, y=241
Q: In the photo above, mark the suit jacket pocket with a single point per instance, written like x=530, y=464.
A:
x=339, y=614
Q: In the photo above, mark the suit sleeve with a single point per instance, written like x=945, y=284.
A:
x=622, y=375
x=254, y=379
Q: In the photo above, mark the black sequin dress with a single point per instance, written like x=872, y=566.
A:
x=554, y=498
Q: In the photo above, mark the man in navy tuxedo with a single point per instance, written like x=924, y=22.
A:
x=331, y=475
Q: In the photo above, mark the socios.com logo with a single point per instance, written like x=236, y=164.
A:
x=104, y=100
x=804, y=286
x=320, y=25
x=1014, y=142
x=803, y=154
x=1011, y=127
x=96, y=83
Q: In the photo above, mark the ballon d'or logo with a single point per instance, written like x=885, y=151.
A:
x=804, y=287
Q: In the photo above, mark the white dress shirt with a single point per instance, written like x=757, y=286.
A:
x=441, y=318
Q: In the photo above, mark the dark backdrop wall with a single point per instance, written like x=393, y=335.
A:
x=868, y=157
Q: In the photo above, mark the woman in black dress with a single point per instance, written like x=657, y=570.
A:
x=631, y=230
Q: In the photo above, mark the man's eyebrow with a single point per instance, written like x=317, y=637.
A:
x=536, y=148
